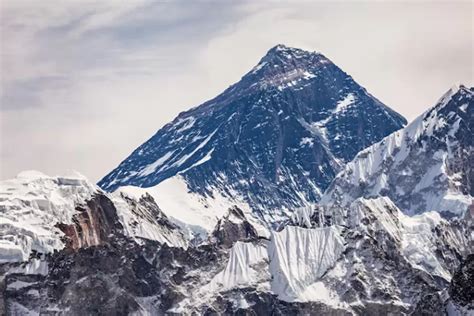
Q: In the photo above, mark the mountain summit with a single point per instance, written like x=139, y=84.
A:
x=273, y=140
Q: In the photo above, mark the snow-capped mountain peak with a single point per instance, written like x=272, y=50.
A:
x=426, y=166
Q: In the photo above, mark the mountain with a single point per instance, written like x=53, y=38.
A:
x=66, y=247
x=427, y=166
x=381, y=241
x=274, y=140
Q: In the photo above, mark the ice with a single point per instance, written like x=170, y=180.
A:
x=298, y=259
x=247, y=264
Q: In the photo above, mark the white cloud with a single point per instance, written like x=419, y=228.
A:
x=85, y=82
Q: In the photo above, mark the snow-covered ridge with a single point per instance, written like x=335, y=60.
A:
x=33, y=205
x=424, y=161
x=342, y=259
x=414, y=234
x=195, y=214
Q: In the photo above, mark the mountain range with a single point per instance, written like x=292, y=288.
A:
x=294, y=192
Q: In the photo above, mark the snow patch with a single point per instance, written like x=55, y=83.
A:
x=307, y=141
x=185, y=158
x=149, y=169
x=344, y=103
x=185, y=124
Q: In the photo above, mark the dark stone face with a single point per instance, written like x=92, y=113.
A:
x=228, y=231
x=277, y=135
x=92, y=225
x=461, y=289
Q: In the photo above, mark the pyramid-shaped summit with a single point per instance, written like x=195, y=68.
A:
x=274, y=140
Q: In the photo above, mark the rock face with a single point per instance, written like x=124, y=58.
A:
x=460, y=290
x=274, y=140
x=233, y=227
x=427, y=166
x=92, y=225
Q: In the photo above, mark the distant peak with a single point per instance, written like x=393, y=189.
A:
x=285, y=51
x=282, y=47
x=289, y=62
x=455, y=89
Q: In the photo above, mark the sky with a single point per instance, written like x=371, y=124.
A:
x=83, y=83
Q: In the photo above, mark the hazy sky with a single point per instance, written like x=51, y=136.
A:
x=83, y=83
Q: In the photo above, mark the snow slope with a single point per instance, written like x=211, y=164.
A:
x=196, y=214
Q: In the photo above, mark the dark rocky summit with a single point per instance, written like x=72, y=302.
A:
x=276, y=138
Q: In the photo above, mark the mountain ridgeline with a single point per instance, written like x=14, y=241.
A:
x=204, y=218
x=275, y=139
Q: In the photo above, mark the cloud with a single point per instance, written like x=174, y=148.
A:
x=85, y=82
